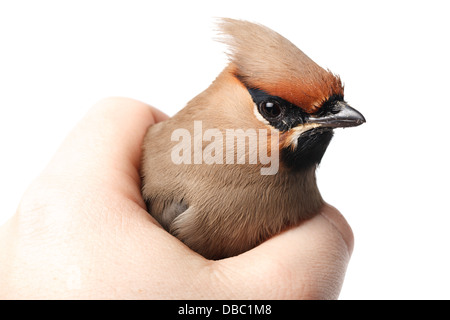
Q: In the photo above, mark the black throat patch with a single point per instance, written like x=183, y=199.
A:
x=311, y=147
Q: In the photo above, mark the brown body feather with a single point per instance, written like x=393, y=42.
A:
x=221, y=210
x=230, y=208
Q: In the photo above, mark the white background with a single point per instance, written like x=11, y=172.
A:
x=389, y=177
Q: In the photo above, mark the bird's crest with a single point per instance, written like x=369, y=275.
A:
x=265, y=60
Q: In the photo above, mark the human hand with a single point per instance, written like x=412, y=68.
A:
x=82, y=231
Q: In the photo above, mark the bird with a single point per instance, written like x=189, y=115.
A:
x=206, y=177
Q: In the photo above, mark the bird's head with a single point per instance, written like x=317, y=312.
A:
x=289, y=91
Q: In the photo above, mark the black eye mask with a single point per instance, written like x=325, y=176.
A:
x=280, y=113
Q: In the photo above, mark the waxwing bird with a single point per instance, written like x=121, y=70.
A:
x=237, y=164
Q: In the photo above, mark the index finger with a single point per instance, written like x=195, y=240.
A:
x=105, y=146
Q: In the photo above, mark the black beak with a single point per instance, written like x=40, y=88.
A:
x=345, y=116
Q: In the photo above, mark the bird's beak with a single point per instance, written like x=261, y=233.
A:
x=345, y=117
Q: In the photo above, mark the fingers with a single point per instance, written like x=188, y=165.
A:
x=110, y=135
x=338, y=221
x=158, y=115
x=305, y=262
x=102, y=153
x=107, y=141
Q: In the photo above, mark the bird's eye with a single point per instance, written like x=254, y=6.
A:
x=270, y=109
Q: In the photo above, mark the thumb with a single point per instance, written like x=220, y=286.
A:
x=305, y=262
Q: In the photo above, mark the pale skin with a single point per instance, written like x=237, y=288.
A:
x=82, y=231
